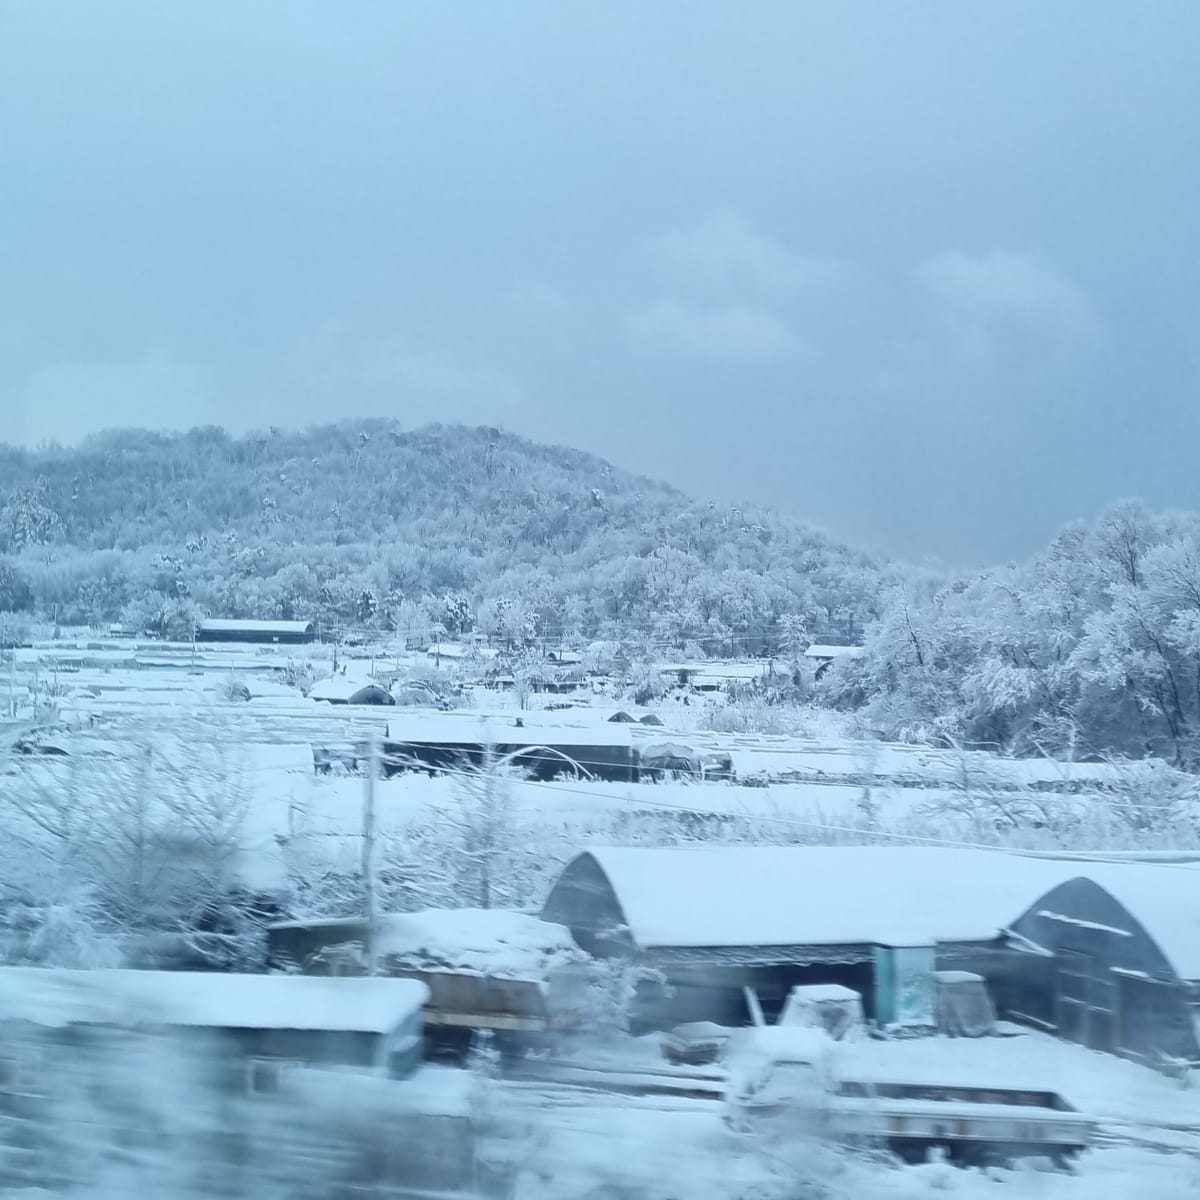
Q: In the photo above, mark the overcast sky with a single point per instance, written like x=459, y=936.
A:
x=927, y=274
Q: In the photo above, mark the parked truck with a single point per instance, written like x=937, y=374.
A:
x=783, y=1083
x=509, y=974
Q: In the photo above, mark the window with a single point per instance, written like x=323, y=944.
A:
x=264, y=1075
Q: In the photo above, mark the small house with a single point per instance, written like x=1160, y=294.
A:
x=238, y=1031
x=822, y=656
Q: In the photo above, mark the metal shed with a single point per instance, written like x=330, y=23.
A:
x=450, y=742
x=263, y=633
x=1112, y=960
x=713, y=919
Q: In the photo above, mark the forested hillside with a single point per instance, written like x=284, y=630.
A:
x=1091, y=647
x=362, y=523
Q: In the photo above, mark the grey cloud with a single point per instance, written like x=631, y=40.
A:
x=722, y=249
x=983, y=296
x=393, y=376
x=735, y=331
x=507, y=230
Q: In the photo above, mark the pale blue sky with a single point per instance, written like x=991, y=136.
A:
x=924, y=273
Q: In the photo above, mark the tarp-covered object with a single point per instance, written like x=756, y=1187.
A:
x=964, y=1008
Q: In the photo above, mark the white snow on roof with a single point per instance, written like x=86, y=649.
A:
x=822, y=651
x=478, y=941
x=823, y=895
x=340, y=687
x=221, y=625
x=468, y=729
x=819, y=992
x=56, y=997
x=456, y=650
x=485, y=941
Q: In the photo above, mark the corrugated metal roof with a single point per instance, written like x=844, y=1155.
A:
x=1163, y=898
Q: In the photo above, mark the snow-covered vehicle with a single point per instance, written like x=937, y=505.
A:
x=783, y=1084
x=696, y=1043
x=509, y=973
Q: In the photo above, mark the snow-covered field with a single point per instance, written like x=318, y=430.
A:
x=1149, y=1140
x=827, y=787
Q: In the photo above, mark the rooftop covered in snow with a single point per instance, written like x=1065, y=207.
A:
x=472, y=729
x=58, y=997
x=798, y=896
x=482, y=941
x=824, y=651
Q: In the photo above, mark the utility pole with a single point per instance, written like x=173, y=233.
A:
x=489, y=824
x=370, y=881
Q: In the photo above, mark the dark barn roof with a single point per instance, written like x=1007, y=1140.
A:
x=447, y=741
x=256, y=632
x=1147, y=913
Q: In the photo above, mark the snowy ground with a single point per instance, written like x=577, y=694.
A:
x=682, y=1150
x=1149, y=1141
x=822, y=787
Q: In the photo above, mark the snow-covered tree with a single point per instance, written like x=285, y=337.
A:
x=28, y=520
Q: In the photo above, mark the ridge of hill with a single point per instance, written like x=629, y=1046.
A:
x=353, y=520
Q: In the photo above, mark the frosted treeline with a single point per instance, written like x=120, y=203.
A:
x=366, y=525
x=1090, y=648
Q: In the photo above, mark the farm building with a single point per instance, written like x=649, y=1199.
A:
x=238, y=1029
x=1110, y=958
x=712, y=677
x=448, y=742
x=1106, y=953
x=714, y=919
x=266, y=633
x=617, y=751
